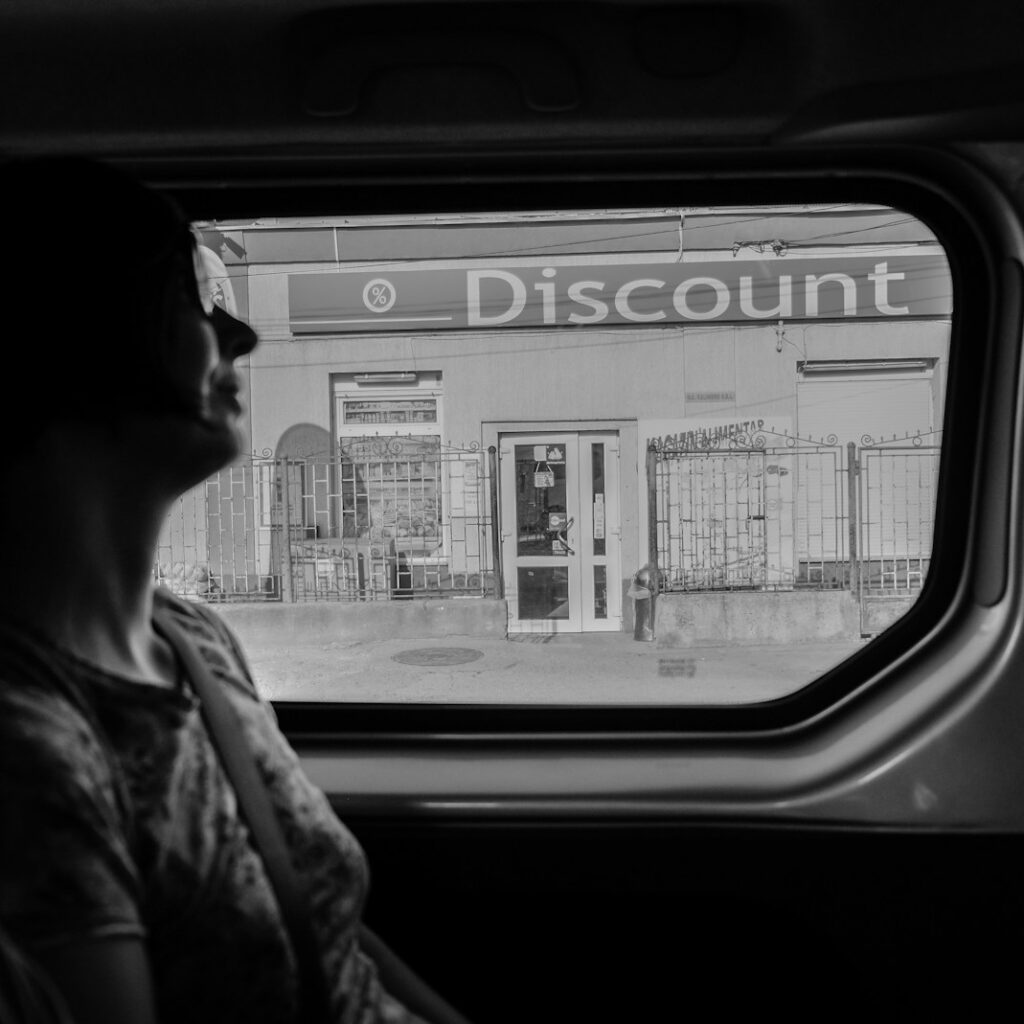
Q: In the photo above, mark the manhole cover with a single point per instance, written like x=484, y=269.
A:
x=437, y=656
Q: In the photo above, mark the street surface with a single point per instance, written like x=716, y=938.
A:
x=592, y=668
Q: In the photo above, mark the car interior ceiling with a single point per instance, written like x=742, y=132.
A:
x=515, y=899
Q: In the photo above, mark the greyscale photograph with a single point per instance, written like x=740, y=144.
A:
x=511, y=511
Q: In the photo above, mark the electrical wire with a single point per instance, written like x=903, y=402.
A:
x=665, y=227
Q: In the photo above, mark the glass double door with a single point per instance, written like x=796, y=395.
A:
x=560, y=532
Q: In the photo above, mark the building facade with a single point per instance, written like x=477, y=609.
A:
x=532, y=407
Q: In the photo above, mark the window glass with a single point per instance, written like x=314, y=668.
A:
x=676, y=456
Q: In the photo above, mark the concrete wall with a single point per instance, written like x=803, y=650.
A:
x=274, y=625
x=756, y=618
x=879, y=613
x=681, y=619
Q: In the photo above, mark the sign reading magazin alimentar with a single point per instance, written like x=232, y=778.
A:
x=620, y=294
x=699, y=432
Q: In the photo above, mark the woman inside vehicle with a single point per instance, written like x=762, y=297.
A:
x=126, y=866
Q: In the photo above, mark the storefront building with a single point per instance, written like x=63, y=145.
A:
x=489, y=407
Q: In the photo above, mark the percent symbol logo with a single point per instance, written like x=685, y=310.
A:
x=379, y=295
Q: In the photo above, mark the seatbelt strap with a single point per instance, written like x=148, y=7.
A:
x=225, y=729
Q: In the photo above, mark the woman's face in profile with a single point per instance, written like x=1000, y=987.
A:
x=205, y=343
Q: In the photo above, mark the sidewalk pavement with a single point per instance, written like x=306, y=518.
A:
x=598, y=668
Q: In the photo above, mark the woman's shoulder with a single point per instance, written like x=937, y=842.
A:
x=194, y=617
x=216, y=641
x=55, y=757
x=66, y=865
x=40, y=708
x=41, y=725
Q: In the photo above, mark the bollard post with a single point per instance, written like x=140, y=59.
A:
x=642, y=627
x=642, y=590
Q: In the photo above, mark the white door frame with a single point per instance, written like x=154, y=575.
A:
x=588, y=546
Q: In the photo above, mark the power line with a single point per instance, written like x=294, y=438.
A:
x=663, y=229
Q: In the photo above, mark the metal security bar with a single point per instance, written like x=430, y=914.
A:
x=819, y=493
x=742, y=513
x=384, y=519
x=712, y=535
x=897, y=484
x=219, y=542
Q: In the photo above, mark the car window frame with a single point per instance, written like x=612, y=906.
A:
x=957, y=202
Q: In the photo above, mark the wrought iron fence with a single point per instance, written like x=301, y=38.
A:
x=897, y=481
x=761, y=511
x=770, y=511
x=393, y=519
x=383, y=519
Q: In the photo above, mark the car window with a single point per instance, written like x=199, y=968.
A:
x=663, y=456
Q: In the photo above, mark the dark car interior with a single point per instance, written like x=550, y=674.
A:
x=854, y=845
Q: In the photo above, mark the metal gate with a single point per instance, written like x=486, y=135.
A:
x=896, y=519
x=713, y=533
x=741, y=514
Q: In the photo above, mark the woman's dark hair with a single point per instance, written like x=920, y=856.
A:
x=92, y=262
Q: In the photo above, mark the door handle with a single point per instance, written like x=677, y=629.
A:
x=561, y=538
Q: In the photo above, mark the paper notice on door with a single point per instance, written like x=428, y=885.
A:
x=598, y=517
x=470, y=493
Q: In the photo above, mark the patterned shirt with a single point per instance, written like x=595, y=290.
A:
x=117, y=820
